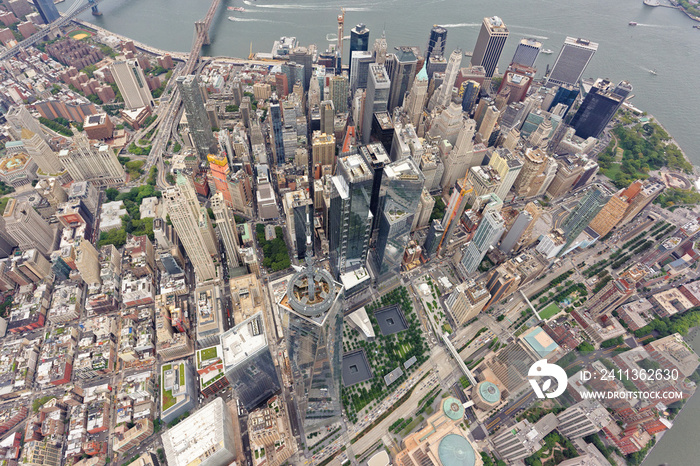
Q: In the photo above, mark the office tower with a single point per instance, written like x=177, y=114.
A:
x=350, y=218
x=313, y=326
x=276, y=135
x=322, y=149
x=132, y=84
x=226, y=226
x=376, y=157
x=569, y=170
x=571, y=62
x=540, y=137
x=445, y=92
x=490, y=229
x=640, y=194
x=584, y=418
x=425, y=210
x=624, y=205
x=402, y=185
x=294, y=73
x=565, y=94
x=448, y=124
x=215, y=442
x=383, y=129
x=376, y=98
x=433, y=238
x=379, y=49
x=219, y=172
x=87, y=261
x=517, y=79
x=623, y=89
x=512, y=139
x=340, y=88
x=27, y=228
x=436, y=64
x=301, y=208
x=47, y=9
x=248, y=363
x=596, y=111
x=453, y=212
x=401, y=68
x=41, y=153
x=529, y=180
x=470, y=94
x=589, y=169
x=197, y=118
x=460, y=159
x=489, y=45
x=19, y=118
x=508, y=166
x=415, y=103
x=92, y=162
x=522, y=221
x=359, y=40
x=187, y=221
x=327, y=117
x=527, y=51
x=406, y=143
x=360, y=70
x=302, y=56
x=436, y=42
x=488, y=123
x=467, y=301
x=587, y=208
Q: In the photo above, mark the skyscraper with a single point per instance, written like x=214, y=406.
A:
x=445, y=96
x=41, y=152
x=490, y=229
x=360, y=70
x=277, y=139
x=508, y=166
x=376, y=99
x=596, y=111
x=415, y=103
x=522, y=221
x=302, y=56
x=436, y=42
x=460, y=159
x=47, y=9
x=27, y=228
x=527, y=51
x=197, y=118
x=132, y=84
x=187, y=222
x=327, y=117
x=226, y=226
x=313, y=326
x=470, y=95
x=359, y=40
x=572, y=61
x=402, y=185
x=92, y=162
x=401, y=68
x=587, y=208
x=376, y=157
x=454, y=211
x=489, y=45
x=350, y=219
x=19, y=118
x=339, y=93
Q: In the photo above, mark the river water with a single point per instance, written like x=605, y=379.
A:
x=664, y=40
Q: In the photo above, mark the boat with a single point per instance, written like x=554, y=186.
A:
x=548, y=51
x=653, y=72
x=696, y=27
x=632, y=23
x=236, y=8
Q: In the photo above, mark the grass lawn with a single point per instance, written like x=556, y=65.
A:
x=168, y=399
x=182, y=374
x=612, y=172
x=550, y=311
x=404, y=349
x=209, y=353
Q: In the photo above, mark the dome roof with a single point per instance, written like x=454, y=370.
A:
x=453, y=408
x=489, y=392
x=455, y=450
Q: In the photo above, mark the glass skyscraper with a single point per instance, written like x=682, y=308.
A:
x=572, y=61
x=596, y=111
x=489, y=44
x=359, y=40
x=350, y=219
x=436, y=42
x=402, y=185
x=47, y=10
x=401, y=67
x=487, y=234
x=197, y=119
x=589, y=206
x=277, y=138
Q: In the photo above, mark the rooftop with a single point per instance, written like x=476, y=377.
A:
x=243, y=341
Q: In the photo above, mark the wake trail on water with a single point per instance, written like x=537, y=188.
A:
x=303, y=7
x=256, y=20
x=460, y=25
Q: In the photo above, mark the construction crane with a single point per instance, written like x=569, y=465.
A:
x=251, y=55
x=341, y=25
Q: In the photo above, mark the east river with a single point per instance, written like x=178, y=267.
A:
x=663, y=40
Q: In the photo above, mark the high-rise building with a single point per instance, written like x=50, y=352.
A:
x=436, y=42
x=376, y=98
x=571, y=62
x=489, y=44
x=27, y=228
x=359, y=40
x=359, y=71
x=47, y=10
x=527, y=51
x=226, y=226
x=327, y=116
x=197, y=118
x=302, y=56
x=640, y=194
x=415, y=102
x=248, y=363
x=453, y=212
x=96, y=163
x=87, y=260
x=214, y=443
x=508, y=166
x=45, y=158
x=522, y=221
x=488, y=123
x=401, y=68
x=460, y=159
x=425, y=210
x=323, y=149
x=584, y=418
x=517, y=79
x=297, y=205
x=187, y=222
x=587, y=208
x=350, y=219
x=312, y=319
x=276, y=131
x=19, y=118
x=470, y=94
x=379, y=49
x=402, y=185
x=596, y=111
x=445, y=92
x=219, y=172
x=532, y=174
x=568, y=172
x=565, y=94
x=432, y=239
x=490, y=229
x=340, y=88
x=467, y=301
x=376, y=157
x=132, y=84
